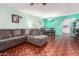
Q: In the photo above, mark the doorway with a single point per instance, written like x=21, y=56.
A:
x=66, y=26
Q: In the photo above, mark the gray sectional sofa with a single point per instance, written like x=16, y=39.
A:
x=36, y=37
x=12, y=37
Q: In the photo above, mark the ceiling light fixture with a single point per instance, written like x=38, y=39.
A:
x=44, y=3
x=31, y=3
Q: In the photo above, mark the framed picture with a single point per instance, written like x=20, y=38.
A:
x=15, y=18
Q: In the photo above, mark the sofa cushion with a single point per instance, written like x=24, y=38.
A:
x=34, y=32
x=27, y=31
x=16, y=32
x=38, y=40
x=42, y=31
x=4, y=33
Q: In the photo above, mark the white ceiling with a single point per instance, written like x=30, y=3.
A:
x=49, y=10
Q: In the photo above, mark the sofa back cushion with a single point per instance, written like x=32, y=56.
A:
x=5, y=33
x=27, y=31
x=42, y=31
x=34, y=32
x=16, y=32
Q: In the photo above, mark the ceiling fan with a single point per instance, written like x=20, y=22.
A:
x=41, y=3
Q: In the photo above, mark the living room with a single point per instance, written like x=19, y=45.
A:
x=39, y=29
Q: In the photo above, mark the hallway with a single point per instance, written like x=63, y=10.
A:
x=60, y=46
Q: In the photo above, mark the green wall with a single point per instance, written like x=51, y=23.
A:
x=57, y=22
x=28, y=21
